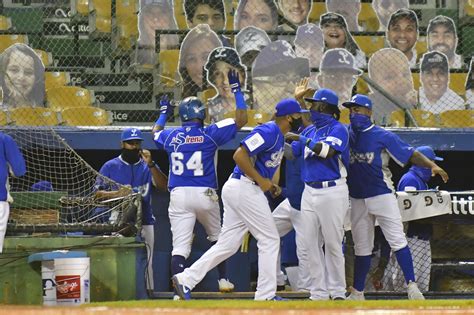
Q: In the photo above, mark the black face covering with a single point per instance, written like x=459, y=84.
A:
x=296, y=123
x=130, y=156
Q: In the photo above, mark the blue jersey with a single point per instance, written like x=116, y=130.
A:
x=10, y=158
x=412, y=180
x=265, y=148
x=317, y=169
x=192, y=152
x=137, y=175
x=371, y=151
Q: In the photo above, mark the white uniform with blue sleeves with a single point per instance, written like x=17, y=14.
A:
x=192, y=178
x=324, y=205
x=371, y=188
x=246, y=209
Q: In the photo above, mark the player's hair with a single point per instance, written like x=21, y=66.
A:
x=191, y=6
x=270, y=3
x=36, y=96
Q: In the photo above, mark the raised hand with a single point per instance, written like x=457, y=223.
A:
x=165, y=105
x=234, y=81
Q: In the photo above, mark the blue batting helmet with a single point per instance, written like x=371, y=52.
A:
x=191, y=108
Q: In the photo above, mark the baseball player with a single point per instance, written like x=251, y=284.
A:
x=246, y=207
x=325, y=199
x=192, y=180
x=11, y=162
x=135, y=169
x=371, y=193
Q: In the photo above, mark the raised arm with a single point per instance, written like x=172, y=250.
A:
x=241, y=107
x=166, y=110
x=160, y=180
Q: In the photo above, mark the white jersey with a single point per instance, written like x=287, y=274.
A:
x=448, y=101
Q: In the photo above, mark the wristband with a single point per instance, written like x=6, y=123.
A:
x=240, y=101
x=161, y=121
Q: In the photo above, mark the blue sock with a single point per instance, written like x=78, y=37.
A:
x=406, y=263
x=361, y=269
x=177, y=264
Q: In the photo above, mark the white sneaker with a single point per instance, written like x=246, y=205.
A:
x=356, y=295
x=176, y=297
x=225, y=286
x=413, y=292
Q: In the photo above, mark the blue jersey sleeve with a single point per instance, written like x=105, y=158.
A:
x=222, y=131
x=160, y=137
x=260, y=139
x=398, y=150
x=101, y=183
x=338, y=138
x=14, y=157
x=297, y=148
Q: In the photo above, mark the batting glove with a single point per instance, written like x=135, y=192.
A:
x=234, y=81
x=165, y=105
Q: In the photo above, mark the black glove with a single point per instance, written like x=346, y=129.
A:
x=234, y=81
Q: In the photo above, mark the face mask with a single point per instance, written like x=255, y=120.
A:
x=359, y=122
x=320, y=119
x=130, y=156
x=423, y=172
x=295, y=124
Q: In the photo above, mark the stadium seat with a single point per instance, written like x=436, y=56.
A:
x=8, y=40
x=80, y=6
x=5, y=23
x=367, y=18
x=33, y=116
x=126, y=9
x=318, y=9
x=100, y=18
x=56, y=79
x=85, y=116
x=370, y=43
x=421, y=46
x=179, y=14
x=127, y=32
x=344, y=118
x=69, y=96
x=3, y=118
x=254, y=117
x=208, y=94
x=168, y=60
x=457, y=118
x=469, y=7
x=46, y=57
x=422, y=117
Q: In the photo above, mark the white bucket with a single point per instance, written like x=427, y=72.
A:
x=72, y=277
x=49, y=286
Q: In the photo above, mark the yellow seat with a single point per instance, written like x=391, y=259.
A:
x=180, y=16
x=101, y=7
x=46, y=57
x=344, y=117
x=370, y=43
x=128, y=32
x=126, y=9
x=208, y=94
x=33, y=116
x=56, y=79
x=3, y=118
x=80, y=6
x=367, y=18
x=318, y=9
x=422, y=117
x=168, y=60
x=361, y=86
x=421, y=46
x=8, y=40
x=469, y=7
x=85, y=116
x=5, y=23
x=102, y=15
x=457, y=118
x=254, y=117
x=69, y=96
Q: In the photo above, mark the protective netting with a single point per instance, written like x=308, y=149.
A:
x=58, y=191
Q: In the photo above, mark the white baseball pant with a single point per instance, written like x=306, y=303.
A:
x=148, y=234
x=245, y=209
x=286, y=218
x=385, y=209
x=323, y=213
x=186, y=205
x=4, y=213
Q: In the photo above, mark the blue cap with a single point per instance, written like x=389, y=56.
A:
x=288, y=106
x=42, y=185
x=427, y=151
x=324, y=95
x=359, y=100
x=131, y=134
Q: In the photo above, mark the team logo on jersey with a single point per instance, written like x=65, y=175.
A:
x=181, y=139
x=366, y=157
x=275, y=159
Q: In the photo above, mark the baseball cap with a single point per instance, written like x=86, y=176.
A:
x=131, y=134
x=359, y=100
x=288, y=106
x=309, y=34
x=327, y=96
x=403, y=13
x=42, y=185
x=251, y=38
x=339, y=59
x=226, y=54
x=278, y=57
x=427, y=151
x=441, y=20
x=434, y=59
x=332, y=17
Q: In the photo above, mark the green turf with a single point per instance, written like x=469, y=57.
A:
x=295, y=304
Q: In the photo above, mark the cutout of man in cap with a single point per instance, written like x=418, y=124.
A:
x=442, y=37
x=402, y=34
x=338, y=73
x=349, y=9
x=389, y=68
x=295, y=13
x=249, y=42
x=259, y=13
x=435, y=94
x=309, y=43
x=276, y=72
x=155, y=15
x=385, y=8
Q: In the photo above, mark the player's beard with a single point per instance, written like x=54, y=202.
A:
x=130, y=156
